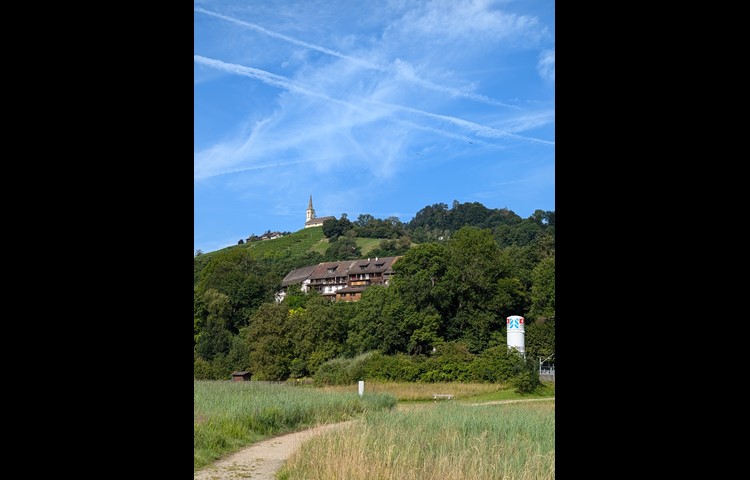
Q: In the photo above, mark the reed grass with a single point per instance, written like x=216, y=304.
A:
x=449, y=440
x=410, y=391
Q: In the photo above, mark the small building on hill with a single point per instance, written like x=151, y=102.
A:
x=311, y=220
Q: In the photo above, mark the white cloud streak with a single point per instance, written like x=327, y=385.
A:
x=478, y=129
x=399, y=68
x=288, y=84
x=448, y=21
x=546, y=65
x=291, y=40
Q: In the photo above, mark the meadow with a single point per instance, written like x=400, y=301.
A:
x=229, y=415
x=474, y=392
x=449, y=440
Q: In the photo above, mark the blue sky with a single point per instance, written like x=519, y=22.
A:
x=380, y=107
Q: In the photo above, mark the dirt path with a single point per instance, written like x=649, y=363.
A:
x=261, y=460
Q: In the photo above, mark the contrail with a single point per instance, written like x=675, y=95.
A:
x=481, y=130
x=411, y=78
x=244, y=169
x=265, y=77
x=285, y=83
x=294, y=41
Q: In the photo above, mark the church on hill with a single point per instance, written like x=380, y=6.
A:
x=311, y=220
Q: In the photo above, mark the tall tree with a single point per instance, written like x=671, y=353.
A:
x=214, y=338
x=271, y=349
x=378, y=324
x=246, y=282
x=543, y=289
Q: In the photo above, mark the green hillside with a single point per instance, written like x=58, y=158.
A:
x=292, y=247
x=295, y=245
x=367, y=244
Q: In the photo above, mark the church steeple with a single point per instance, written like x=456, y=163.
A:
x=310, y=214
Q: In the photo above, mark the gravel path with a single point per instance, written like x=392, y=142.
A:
x=261, y=460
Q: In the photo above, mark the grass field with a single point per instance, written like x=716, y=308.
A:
x=229, y=415
x=296, y=244
x=367, y=244
x=474, y=392
x=447, y=441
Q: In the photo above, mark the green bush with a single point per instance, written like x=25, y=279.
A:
x=528, y=379
x=451, y=363
x=202, y=370
x=497, y=365
x=398, y=368
x=342, y=371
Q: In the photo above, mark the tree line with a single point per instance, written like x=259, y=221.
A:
x=448, y=301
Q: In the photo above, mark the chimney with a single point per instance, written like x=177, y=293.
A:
x=376, y=259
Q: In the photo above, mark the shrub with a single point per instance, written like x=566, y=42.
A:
x=342, y=371
x=451, y=363
x=202, y=369
x=528, y=379
x=497, y=365
x=398, y=368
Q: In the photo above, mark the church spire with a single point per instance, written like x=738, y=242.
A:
x=310, y=214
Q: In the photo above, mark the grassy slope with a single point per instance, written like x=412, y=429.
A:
x=296, y=244
x=367, y=244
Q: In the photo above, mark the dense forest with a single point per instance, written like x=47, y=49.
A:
x=463, y=270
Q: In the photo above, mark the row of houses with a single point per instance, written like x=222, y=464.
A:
x=340, y=281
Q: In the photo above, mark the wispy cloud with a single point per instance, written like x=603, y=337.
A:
x=398, y=67
x=286, y=83
x=448, y=21
x=287, y=38
x=478, y=129
x=528, y=121
x=546, y=65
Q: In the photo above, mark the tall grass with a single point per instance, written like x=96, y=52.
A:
x=409, y=391
x=230, y=415
x=450, y=440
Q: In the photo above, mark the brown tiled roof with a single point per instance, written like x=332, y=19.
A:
x=297, y=276
x=382, y=264
x=321, y=269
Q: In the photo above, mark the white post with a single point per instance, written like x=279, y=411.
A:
x=361, y=387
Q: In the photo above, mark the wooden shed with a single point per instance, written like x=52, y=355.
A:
x=240, y=376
